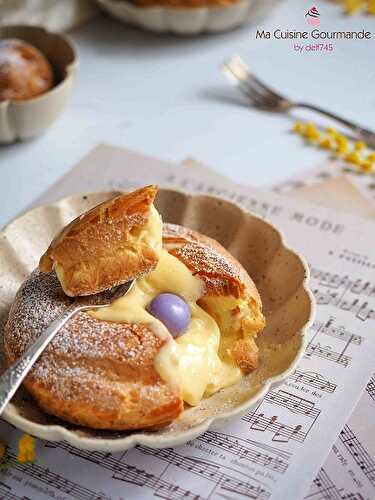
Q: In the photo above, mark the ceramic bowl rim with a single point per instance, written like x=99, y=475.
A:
x=152, y=440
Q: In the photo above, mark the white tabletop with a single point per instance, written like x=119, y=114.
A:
x=165, y=96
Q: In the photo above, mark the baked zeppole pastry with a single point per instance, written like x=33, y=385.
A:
x=186, y=329
x=24, y=71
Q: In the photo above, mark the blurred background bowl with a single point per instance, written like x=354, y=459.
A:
x=189, y=20
x=21, y=120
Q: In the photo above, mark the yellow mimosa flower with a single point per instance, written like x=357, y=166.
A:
x=311, y=132
x=327, y=143
x=354, y=158
x=354, y=152
x=359, y=146
x=342, y=144
x=332, y=131
x=352, y=6
x=298, y=127
x=365, y=166
x=26, y=449
x=371, y=7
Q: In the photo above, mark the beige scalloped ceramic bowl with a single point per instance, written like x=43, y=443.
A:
x=280, y=274
x=20, y=120
x=189, y=20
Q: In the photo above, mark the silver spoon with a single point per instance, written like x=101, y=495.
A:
x=12, y=378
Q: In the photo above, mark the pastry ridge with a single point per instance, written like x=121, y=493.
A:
x=100, y=249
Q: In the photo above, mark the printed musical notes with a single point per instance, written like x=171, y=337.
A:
x=326, y=352
x=370, y=388
x=363, y=459
x=6, y=493
x=340, y=332
x=257, y=453
x=313, y=379
x=344, y=293
x=47, y=477
x=162, y=488
x=218, y=474
x=300, y=413
x=323, y=488
x=335, y=281
x=137, y=476
x=220, y=477
x=294, y=403
x=282, y=433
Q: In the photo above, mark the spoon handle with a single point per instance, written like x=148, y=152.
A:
x=12, y=378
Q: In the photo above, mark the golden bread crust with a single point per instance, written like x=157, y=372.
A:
x=94, y=373
x=100, y=249
x=101, y=374
x=24, y=71
x=205, y=257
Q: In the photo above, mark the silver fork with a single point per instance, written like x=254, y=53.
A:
x=263, y=97
x=12, y=378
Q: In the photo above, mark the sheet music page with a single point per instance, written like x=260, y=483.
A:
x=329, y=170
x=349, y=471
x=276, y=450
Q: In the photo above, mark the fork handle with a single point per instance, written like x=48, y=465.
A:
x=367, y=135
x=12, y=378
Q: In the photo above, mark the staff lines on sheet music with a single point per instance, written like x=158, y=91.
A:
x=370, y=388
x=131, y=474
x=335, y=281
x=339, y=332
x=313, y=379
x=270, y=458
x=361, y=310
x=293, y=403
x=324, y=488
x=360, y=455
x=52, y=479
x=326, y=352
x=209, y=471
x=283, y=433
x=6, y=493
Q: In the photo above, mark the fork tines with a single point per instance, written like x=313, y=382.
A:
x=260, y=94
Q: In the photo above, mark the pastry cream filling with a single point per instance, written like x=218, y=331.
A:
x=151, y=233
x=192, y=360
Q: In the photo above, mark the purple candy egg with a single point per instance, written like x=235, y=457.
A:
x=172, y=311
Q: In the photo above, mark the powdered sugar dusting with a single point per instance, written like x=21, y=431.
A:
x=85, y=350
